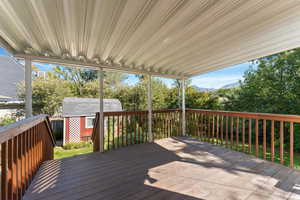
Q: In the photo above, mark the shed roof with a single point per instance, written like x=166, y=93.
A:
x=88, y=106
x=172, y=38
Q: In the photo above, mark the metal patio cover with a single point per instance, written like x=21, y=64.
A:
x=171, y=38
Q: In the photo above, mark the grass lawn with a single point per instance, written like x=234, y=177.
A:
x=59, y=152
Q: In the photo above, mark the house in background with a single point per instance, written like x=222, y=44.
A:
x=11, y=74
x=79, y=115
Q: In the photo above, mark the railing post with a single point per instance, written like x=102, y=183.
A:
x=28, y=88
x=101, y=115
x=150, y=108
x=183, y=108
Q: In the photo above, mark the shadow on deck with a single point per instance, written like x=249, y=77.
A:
x=172, y=168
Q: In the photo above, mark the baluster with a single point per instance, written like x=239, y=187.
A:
x=126, y=123
x=147, y=127
x=272, y=140
x=264, y=139
x=201, y=126
x=213, y=130
x=163, y=125
x=222, y=129
x=23, y=161
x=118, y=131
x=208, y=125
x=169, y=124
x=35, y=150
x=15, y=168
x=217, y=141
x=19, y=164
x=243, y=136
x=250, y=135
x=135, y=125
x=205, y=116
x=113, y=131
x=138, y=127
x=256, y=138
x=281, y=142
x=237, y=134
x=30, y=154
x=108, y=133
x=204, y=127
x=122, y=130
x=226, y=133
x=140, y=123
x=10, y=160
x=3, y=171
x=142, y=127
x=231, y=132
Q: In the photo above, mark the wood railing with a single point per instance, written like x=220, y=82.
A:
x=269, y=136
x=131, y=127
x=166, y=123
x=24, y=147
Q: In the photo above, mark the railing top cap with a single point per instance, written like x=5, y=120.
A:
x=267, y=116
x=140, y=111
x=21, y=123
x=9, y=131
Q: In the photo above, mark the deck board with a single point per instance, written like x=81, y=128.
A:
x=172, y=168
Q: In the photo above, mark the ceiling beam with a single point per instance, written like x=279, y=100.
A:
x=6, y=46
x=90, y=65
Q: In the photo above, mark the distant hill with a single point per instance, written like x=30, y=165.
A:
x=228, y=86
x=203, y=89
x=231, y=85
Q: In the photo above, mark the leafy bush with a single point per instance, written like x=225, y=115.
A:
x=77, y=145
x=7, y=120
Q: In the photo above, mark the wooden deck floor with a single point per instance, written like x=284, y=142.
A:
x=173, y=168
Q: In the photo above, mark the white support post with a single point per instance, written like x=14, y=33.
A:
x=28, y=88
x=183, y=108
x=101, y=115
x=150, y=134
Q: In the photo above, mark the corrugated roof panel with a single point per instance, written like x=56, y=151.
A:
x=178, y=38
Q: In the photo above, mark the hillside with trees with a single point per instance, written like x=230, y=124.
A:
x=272, y=87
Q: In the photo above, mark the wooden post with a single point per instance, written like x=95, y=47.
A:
x=101, y=115
x=183, y=108
x=149, y=102
x=292, y=144
x=28, y=88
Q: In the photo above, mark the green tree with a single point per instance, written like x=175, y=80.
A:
x=78, y=77
x=47, y=94
x=194, y=99
x=274, y=87
x=135, y=97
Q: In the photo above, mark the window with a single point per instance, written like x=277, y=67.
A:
x=89, y=122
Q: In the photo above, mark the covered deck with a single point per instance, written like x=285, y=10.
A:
x=170, y=168
x=173, y=39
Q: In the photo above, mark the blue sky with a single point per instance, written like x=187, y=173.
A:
x=215, y=79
